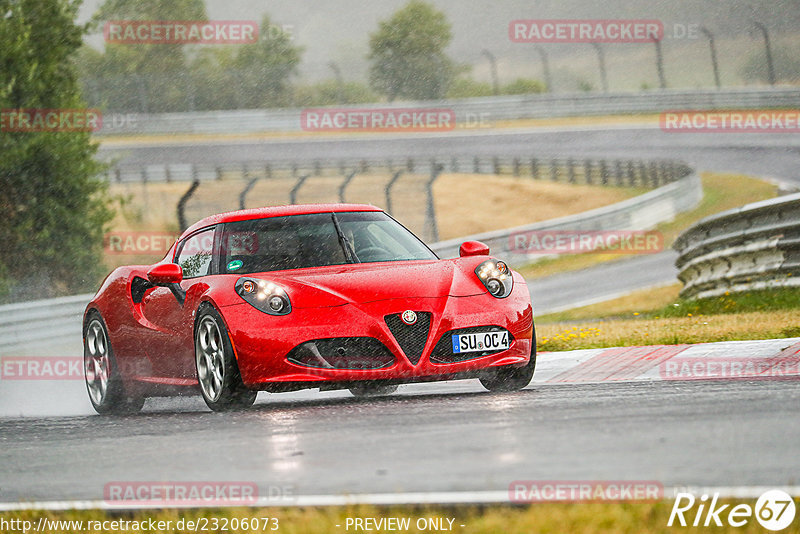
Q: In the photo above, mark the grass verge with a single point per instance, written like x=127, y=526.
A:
x=658, y=317
x=574, y=518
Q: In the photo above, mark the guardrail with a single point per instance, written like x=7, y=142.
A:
x=619, y=172
x=469, y=112
x=27, y=324
x=756, y=246
x=638, y=213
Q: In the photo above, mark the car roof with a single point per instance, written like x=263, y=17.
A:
x=276, y=211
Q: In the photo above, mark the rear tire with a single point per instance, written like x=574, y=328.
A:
x=217, y=371
x=101, y=372
x=372, y=390
x=511, y=378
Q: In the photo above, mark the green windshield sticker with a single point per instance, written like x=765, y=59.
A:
x=235, y=265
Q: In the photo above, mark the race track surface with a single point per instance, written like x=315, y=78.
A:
x=772, y=155
x=449, y=437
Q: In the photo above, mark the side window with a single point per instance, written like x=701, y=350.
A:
x=195, y=254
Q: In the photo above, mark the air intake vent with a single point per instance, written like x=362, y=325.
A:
x=342, y=353
x=411, y=338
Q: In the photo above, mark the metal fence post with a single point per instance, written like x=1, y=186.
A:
x=618, y=172
x=388, y=190
x=631, y=173
x=344, y=184
x=181, y=208
x=642, y=174
x=436, y=171
x=653, y=174
x=296, y=188
x=243, y=194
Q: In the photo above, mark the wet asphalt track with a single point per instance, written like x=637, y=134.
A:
x=448, y=437
x=772, y=155
x=442, y=437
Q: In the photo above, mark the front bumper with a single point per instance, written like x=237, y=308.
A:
x=262, y=342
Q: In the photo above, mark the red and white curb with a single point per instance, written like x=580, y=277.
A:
x=728, y=360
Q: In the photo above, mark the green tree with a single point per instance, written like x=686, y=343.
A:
x=52, y=205
x=262, y=71
x=465, y=87
x=330, y=92
x=407, y=54
x=142, y=77
x=523, y=86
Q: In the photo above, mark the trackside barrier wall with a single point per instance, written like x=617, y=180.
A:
x=638, y=213
x=473, y=111
x=756, y=246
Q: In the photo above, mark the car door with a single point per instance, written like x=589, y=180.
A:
x=169, y=344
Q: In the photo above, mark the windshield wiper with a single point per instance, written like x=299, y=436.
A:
x=347, y=246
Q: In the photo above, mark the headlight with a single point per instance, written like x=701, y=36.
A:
x=496, y=276
x=264, y=296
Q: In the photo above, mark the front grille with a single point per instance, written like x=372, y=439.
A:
x=443, y=353
x=342, y=353
x=411, y=338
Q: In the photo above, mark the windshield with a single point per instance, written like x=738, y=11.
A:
x=316, y=240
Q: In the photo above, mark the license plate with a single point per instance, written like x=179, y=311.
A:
x=480, y=342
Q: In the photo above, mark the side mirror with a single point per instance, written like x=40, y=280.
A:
x=473, y=248
x=165, y=274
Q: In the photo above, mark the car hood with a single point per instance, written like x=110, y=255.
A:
x=370, y=282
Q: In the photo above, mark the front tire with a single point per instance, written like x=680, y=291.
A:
x=101, y=372
x=511, y=378
x=217, y=371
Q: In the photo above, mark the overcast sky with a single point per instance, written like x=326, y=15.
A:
x=338, y=30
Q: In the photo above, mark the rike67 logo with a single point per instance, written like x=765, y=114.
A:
x=774, y=510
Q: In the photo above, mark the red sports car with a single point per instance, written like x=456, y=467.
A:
x=319, y=296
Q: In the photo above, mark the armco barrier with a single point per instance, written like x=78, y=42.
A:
x=27, y=324
x=638, y=213
x=472, y=112
x=756, y=246
x=44, y=321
